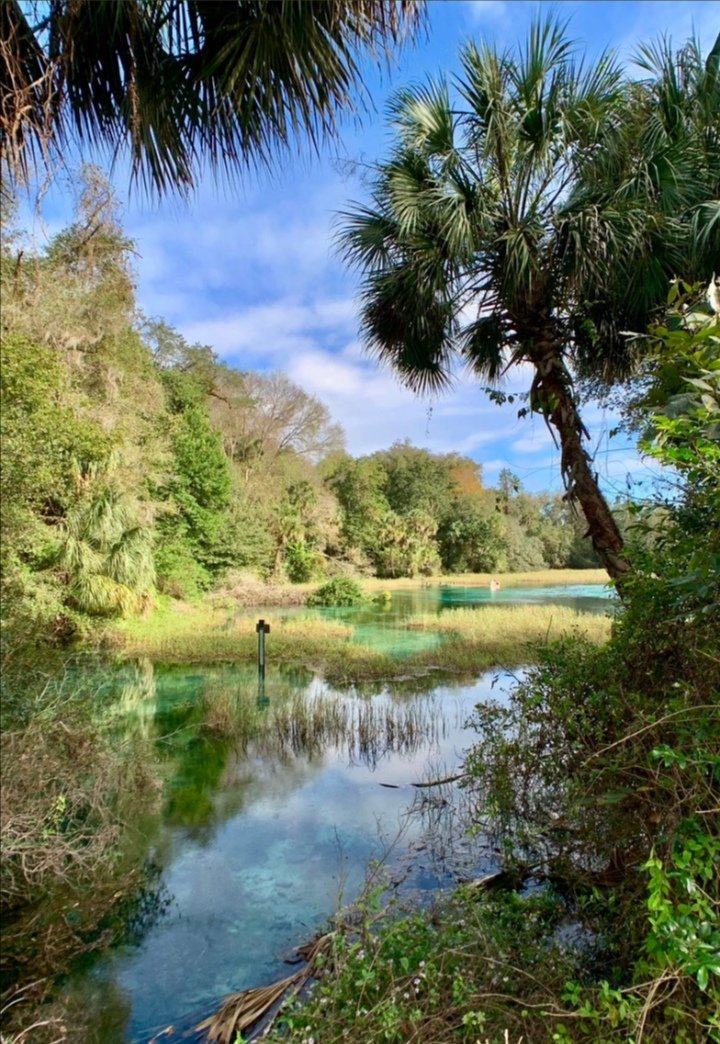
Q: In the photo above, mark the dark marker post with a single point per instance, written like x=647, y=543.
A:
x=262, y=629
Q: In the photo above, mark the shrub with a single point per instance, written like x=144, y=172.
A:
x=339, y=592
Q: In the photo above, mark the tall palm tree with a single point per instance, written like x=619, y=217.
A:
x=183, y=83
x=531, y=216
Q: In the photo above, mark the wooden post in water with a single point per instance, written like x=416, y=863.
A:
x=262, y=629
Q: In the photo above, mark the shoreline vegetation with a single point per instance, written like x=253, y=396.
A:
x=222, y=629
x=250, y=592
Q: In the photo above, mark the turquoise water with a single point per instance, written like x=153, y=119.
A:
x=263, y=831
x=257, y=847
x=384, y=629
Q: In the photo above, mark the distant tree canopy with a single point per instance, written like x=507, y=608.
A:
x=135, y=463
x=183, y=85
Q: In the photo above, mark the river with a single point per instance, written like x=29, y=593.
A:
x=264, y=832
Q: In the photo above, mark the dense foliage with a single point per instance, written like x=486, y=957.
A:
x=135, y=463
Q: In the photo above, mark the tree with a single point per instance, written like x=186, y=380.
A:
x=105, y=551
x=417, y=480
x=471, y=541
x=262, y=416
x=551, y=202
x=181, y=84
x=194, y=535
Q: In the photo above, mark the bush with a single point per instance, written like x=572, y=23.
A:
x=302, y=563
x=339, y=592
x=179, y=574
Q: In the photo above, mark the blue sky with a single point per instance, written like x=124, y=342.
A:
x=251, y=269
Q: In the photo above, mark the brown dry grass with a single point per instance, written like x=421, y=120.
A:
x=245, y=590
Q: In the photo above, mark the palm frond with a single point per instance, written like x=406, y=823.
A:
x=424, y=118
x=410, y=326
x=560, y=190
x=365, y=237
x=130, y=560
x=482, y=344
x=178, y=84
x=100, y=595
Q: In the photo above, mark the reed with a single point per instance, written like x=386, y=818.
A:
x=304, y=724
x=498, y=625
x=472, y=640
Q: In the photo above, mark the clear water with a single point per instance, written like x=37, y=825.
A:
x=260, y=839
x=384, y=629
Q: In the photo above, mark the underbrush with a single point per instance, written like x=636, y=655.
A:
x=340, y=591
x=604, y=774
x=69, y=798
x=464, y=970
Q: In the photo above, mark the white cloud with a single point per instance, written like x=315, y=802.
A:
x=209, y=255
x=540, y=441
x=491, y=468
x=487, y=10
x=271, y=334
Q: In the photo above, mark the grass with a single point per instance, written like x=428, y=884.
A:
x=498, y=625
x=472, y=640
x=304, y=724
x=539, y=578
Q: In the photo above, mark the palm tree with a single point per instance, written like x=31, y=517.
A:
x=182, y=83
x=104, y=554
x=531, y=218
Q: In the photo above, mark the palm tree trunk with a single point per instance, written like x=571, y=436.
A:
x=551, y=395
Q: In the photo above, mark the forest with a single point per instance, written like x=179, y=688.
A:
x=460, y=782
x=137, y=465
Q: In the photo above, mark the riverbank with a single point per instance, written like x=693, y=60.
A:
x=247, y=591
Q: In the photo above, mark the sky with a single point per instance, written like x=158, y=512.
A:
x=251, y=269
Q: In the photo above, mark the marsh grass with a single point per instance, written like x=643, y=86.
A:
x=502, y=624
x=471, y=639
x=538, y=578
x=305, y=724
x=71, y=799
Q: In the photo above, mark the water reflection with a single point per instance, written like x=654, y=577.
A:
x=272, y=807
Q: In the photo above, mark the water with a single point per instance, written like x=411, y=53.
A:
x=384, y=629
x=265, y=830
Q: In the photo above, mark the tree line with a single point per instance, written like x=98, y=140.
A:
x=135, y=463
x=533, y=209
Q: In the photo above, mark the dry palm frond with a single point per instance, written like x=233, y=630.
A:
x=244, y=1009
